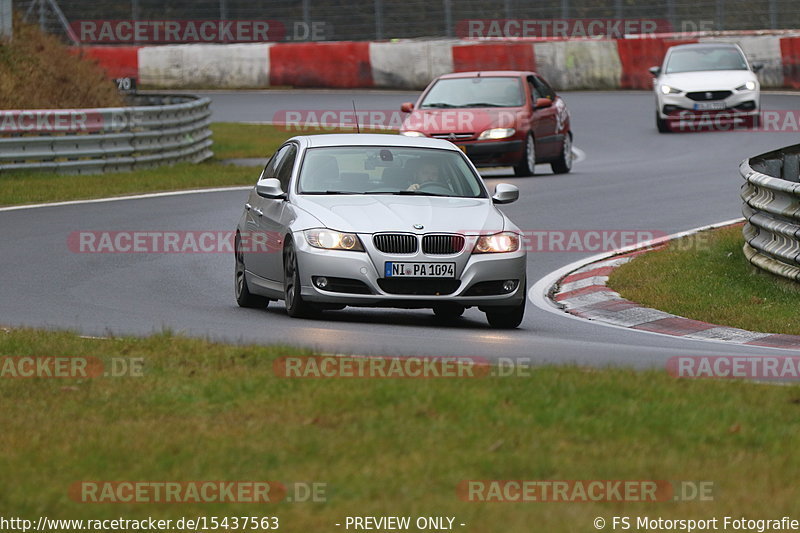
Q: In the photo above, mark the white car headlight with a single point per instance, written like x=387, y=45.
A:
x=497, y=133
x=666, y=89
x=749, y=86
x=412, y=133
x=329, y=239
x=497, y=244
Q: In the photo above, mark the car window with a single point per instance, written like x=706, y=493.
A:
x=484, y=91
x=534, y=92
x=285, y=166
x=388, y=170
x=543, y=88
x=705, y=58
x=271, y=170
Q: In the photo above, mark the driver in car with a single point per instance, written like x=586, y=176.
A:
x=428, y=174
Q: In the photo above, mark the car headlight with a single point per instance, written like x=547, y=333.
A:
x=328, y=239
x=666, y=89
x=749, y=86
x=497, y=133
x=412, y=133
x=497, y=244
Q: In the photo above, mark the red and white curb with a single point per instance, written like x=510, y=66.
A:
x=580, y=290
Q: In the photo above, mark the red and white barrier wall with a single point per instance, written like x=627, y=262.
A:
x=570, y=64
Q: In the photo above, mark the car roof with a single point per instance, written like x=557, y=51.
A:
x=371, y=139
x=486, y=74
x=705, y=45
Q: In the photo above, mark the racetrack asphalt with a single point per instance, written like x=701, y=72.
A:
x=632, y=178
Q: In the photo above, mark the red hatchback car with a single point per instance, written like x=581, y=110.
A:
x=498, y=118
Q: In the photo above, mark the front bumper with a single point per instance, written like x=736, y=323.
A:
x=367, y=268
x=680, y=107
x=485, y=153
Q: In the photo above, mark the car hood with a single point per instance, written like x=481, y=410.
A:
x=379, y=213
x=462, y=120
x=722, y=80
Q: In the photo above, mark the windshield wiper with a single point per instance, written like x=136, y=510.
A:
x=331, y=192
x=438, y=104
x=417, y=192
x=484, y=104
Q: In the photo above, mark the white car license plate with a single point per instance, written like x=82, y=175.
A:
x=709, y=106
x=395, y=269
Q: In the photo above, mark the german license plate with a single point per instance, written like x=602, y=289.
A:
x=395, y=269
x=709, y=106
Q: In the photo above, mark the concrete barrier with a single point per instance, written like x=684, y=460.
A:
x=494, y=56
x=343, y=65
x=588, y=64
x=566, y=64
x=409, y=64
x=638, y=55
x=224, y=66
x=118, y=61
x=790, y=60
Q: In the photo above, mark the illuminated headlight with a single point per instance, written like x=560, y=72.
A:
x=412, y=133
x=749, y=86
x=497, y=244
x=666, y=89
x=329, y=239
x=496, y=133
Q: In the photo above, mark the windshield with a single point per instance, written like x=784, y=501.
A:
x=388, y=170
x=474, y=92
x=705, y=58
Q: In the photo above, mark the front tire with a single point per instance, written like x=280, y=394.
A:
x=296, y=306
x=243, y=295
x=662, y=125
x=527, y=165
x=564, y=162
x=448, y=312
x=506, y=317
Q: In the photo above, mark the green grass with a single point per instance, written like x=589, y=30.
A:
x=205, y=411
x=35, y=187
x=230, y=141
x=233, y=140
x=706, y=277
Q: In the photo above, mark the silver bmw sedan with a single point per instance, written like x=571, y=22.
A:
x=379, y=220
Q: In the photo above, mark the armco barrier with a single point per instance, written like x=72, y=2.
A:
x=160, y=129
x=771, y=195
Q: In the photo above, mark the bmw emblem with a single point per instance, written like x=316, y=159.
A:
x=418, y=226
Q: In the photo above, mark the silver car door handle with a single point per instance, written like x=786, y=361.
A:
x=248, y=207
x=258, y=211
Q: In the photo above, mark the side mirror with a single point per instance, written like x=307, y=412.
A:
x=757, y=66
x=655, y=71
x=407, y=107
x=270, y=188
x=542, y=102
x=505, y=193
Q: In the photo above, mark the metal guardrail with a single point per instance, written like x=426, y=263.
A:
x=156, y=130
x=771, y=195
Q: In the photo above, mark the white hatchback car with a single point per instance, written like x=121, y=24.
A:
x=711, y=82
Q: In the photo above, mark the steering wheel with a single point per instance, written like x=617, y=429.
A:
x=434, y=187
